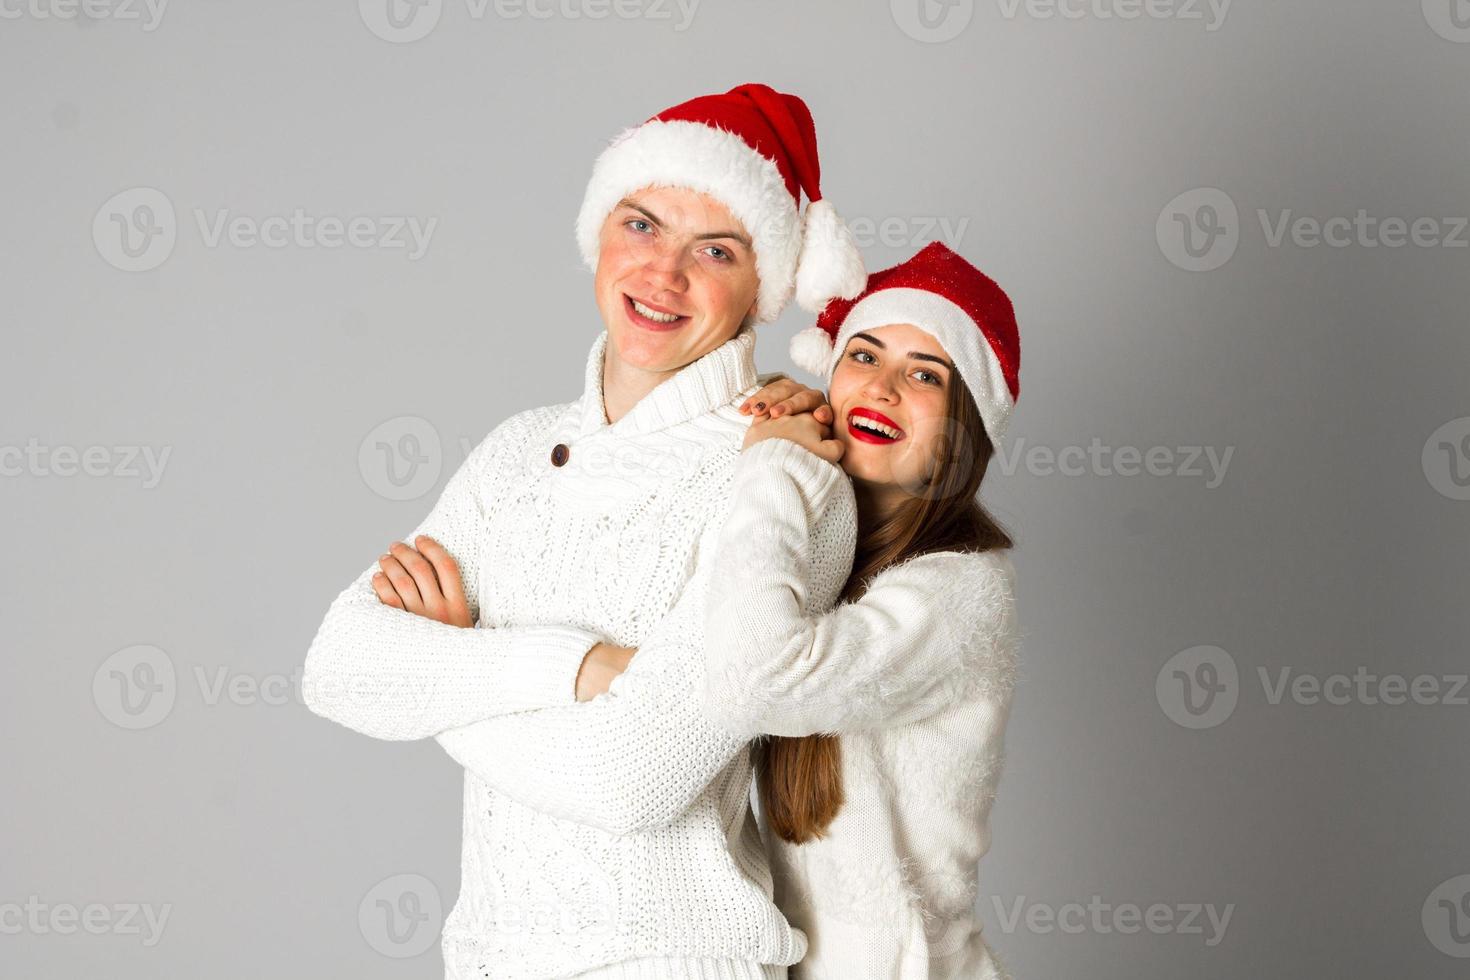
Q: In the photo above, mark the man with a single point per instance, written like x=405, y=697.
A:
x=610, y=837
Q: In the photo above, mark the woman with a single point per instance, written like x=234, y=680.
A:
x=887, y=712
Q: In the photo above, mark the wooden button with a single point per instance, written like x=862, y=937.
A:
x=560, y=454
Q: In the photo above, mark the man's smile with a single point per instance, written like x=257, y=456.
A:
x=651, y=315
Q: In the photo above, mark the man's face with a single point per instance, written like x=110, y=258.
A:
x=675, y=277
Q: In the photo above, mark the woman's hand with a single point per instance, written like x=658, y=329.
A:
x=424, y=581
x=602, y=663
x=786, y=397
x=802, y=429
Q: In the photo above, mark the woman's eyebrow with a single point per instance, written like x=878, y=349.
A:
x=917, y=355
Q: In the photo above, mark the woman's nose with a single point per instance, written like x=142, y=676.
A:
x=879, y=388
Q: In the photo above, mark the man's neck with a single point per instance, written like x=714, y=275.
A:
x=623, y=386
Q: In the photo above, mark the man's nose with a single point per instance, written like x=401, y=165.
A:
x=666, y=267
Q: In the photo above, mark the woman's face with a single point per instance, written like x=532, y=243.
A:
x=894, y=378
x=675, y=277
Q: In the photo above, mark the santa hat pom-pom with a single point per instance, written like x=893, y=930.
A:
x=811, y=349
x=830, y=265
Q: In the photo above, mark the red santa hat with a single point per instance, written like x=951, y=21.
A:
x=942, y=294
x=755, y=150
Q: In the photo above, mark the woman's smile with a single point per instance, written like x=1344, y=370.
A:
x=869, y=425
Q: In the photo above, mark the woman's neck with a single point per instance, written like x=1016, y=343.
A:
x=875, y=502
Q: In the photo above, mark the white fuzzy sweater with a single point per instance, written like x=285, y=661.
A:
x=613, y=837
x=916, y=676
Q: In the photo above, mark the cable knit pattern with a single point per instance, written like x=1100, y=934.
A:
x=612, y=838
x=917, y=677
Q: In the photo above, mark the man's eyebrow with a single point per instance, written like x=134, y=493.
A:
x=742, y=239
x=630, y=203
x=916, y=355
x=737, y=236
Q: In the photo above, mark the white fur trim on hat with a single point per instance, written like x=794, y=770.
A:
x=831, y=264
x=711, y=161
x=959, y=335
x=811, y=349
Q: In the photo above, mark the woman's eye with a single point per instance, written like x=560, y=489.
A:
x=858, y=356
x=934, y=379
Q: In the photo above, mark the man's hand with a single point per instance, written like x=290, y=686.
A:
x=602, y=663
x=802, y=429
x=786, y=397
x=424, y=581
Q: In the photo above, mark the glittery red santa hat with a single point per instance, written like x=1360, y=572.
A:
x=755, y=150
x=942, y=294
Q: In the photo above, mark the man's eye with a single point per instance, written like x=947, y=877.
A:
x=639, y=225
x=719, y=253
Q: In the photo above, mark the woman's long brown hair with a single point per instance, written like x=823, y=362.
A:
x=800, y=779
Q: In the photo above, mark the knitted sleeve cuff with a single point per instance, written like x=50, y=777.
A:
x=538, y=667
x=814, y=475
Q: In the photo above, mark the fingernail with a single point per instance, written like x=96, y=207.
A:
x=760, y=406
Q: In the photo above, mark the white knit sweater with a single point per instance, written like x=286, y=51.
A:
x=614, y=836
x=916, y=676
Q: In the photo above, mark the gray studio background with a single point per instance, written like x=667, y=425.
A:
x=1150, y=766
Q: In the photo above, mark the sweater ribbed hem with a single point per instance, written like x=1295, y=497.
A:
x=685, y=968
